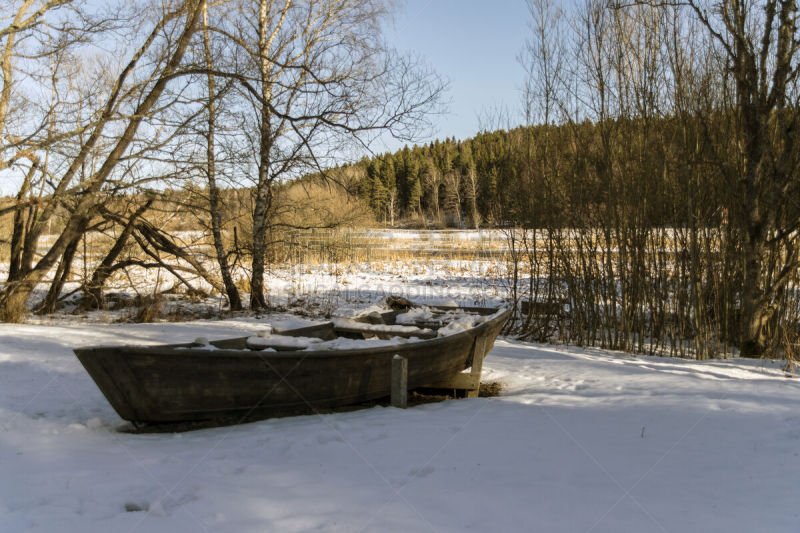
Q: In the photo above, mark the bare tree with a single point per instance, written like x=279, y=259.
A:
x=214, y=194
x=132, y=97
x=25, y=20
x=680, y=167
x=92, y=288
x=317, y=77
x=758, y=43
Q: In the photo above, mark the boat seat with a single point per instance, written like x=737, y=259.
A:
x=370, y=331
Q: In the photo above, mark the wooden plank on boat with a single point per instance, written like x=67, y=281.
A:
x=399, y=381
x=324, y=331
x=353, y=330
x=469, y=382
x=479, y=351
x=462, y=381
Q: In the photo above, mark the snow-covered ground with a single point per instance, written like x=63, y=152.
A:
x=579, y=440
x=316, y=289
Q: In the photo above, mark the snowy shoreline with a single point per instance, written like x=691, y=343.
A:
x=579, y=440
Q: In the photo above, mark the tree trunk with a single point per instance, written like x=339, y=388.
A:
x=48, y=305
x=263, y=202
x=260, y=212
x=214, y=201
x=17, y=236
x=754, y=310
x=472, y=205
x=15, y=294
x=93, y=289
x=261, y=208
x=22, y=217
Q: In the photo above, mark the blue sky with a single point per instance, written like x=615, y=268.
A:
x=472, y=43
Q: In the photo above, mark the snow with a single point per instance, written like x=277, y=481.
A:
x=458, y=325
x=265, y=332
x=414, y=315
x=579, y=440
x=383, y=328
x=343, y=343
x=315, y=289
x=286, y=323
x=314, y=343
x=462, y=322
x=281, y=341
x=454, y=320
x=376, y=308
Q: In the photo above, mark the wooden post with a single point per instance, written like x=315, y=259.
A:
x=470, y=382
x=399, y=382
x=478, y=353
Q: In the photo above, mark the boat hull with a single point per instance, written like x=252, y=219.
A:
x=175, y=383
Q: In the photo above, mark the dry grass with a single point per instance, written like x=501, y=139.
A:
x=149, y=308
x=242, y=284
x=791, y=352
x=490, y=389
x=352, y=245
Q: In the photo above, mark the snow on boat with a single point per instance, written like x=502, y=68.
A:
x=323, y=366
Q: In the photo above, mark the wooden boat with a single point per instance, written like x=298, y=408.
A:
x=228, y=379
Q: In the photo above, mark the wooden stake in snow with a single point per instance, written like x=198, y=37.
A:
x=399, y=382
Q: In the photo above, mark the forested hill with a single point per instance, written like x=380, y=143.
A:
x=446, y=182
x=545, y=175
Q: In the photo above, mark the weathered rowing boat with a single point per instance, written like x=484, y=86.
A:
x=267, y=376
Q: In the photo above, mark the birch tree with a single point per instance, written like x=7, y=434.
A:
x=318, y=78
x=214, y=193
